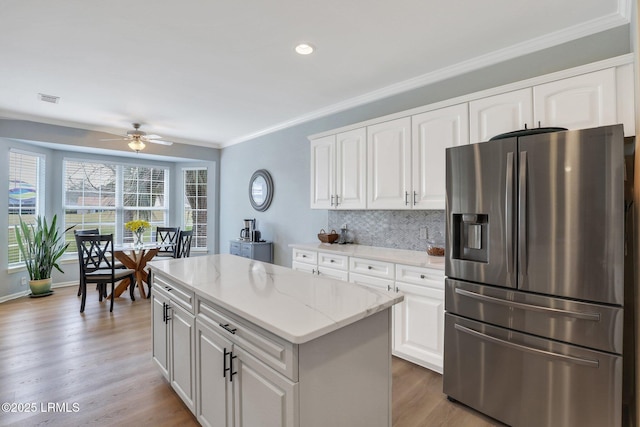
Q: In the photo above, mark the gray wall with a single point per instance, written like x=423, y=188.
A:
x=286, y=153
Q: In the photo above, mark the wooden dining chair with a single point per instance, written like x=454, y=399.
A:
x=168, y=236
x=85, y=232
x=95, y=256
x=184, y=244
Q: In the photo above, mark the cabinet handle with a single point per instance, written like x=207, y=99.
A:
x=422, y=276
x=231, y=373
x=415, y=198
x=331, y=260
x=337, y=200
x=167, y=307
x=164, y=312
x=369, y=267
x=388, y=287
x=397, y=289
x=406, y=198
x=227, y=328
x=224, y=363
x=332, y=200
x=304, y=256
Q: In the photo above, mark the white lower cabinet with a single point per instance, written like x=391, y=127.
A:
x=236, y=389
x=330, y=265
x=418, y=326
x=173, y=340
x=418, y=321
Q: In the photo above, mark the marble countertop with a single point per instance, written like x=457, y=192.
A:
x=398, y=256
x=298, y=307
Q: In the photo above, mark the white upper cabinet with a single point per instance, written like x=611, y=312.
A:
x=498, y=114
x=351, y=168
x=432, y=133
x=625, y=99
x=584, y=101
x=338, y=171
x=389, y=165
x=323, y=172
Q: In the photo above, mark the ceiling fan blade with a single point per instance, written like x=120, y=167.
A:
x=160, y=141
x=153, y=136
x=115, y=139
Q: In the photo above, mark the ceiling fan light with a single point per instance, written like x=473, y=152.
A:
x=136, y=145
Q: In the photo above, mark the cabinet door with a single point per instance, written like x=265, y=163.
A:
x=432, y=133
x=498, y=114
x=351, y=169
x=389, y=165
x=418, y=325
x=580, y=102
x=181, y=358
x=625, y=102
x=323, y=172
x=160, y=331
x=215, y=397
x=262, y=396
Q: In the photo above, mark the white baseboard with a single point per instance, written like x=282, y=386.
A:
x=26, y=292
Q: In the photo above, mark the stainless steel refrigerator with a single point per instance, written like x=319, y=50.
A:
x=535, y=277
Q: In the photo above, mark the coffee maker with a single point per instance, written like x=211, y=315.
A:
x=246, y=234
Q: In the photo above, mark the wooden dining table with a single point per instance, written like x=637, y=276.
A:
x=136, y=258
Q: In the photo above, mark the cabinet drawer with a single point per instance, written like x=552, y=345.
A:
x=420, y=276
x=234, y=248
x=338, y=262
x=374, y=282
x=302, y=255
x=333, y=273
x=369, y=267
x=245, y=250
x=177, y=293
x=277, y=353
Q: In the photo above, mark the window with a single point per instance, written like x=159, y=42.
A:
x=25, y=198
x=195, y=206
x=106, y=196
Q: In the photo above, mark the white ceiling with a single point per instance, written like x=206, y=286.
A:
x=218, y=72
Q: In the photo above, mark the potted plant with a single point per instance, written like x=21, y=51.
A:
x=41, y=246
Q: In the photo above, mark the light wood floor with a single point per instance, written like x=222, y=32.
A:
x=97, y=368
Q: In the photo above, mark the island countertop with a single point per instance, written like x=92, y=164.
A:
x=295, y=306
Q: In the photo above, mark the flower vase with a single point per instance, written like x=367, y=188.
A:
x=138, y=239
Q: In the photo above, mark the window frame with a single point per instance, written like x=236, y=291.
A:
x=120, y=233
x=39, y=202
x=196, y=237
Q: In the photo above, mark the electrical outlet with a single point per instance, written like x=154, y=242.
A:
x=423, y=233
x=23, y=281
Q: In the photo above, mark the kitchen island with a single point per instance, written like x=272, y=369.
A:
x=248, y=343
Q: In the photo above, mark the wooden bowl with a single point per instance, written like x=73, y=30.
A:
x=328, y=238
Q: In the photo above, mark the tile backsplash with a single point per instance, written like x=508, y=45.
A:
x=390, y=229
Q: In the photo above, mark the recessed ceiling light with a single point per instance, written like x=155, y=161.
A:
x=304, y=49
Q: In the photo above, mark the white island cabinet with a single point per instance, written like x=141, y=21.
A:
x=259, y=344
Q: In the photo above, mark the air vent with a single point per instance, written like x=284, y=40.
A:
x=48, y=98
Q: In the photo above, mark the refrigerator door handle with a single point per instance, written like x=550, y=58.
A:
x=524, y=348
x=575, y=314
x=522, y=218
x=508, y=209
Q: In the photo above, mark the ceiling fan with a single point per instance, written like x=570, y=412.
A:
x=138, y=138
